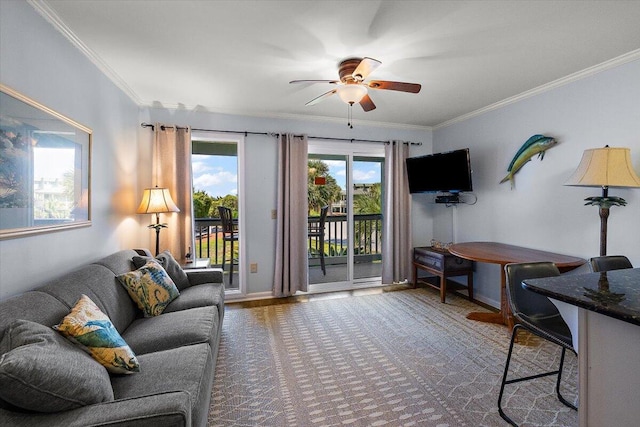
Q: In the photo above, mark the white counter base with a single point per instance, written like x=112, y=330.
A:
x=609, y=371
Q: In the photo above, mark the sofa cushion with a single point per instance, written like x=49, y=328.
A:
x=100, y=284
x=36, y=306
x=170, y=265
x=198, y=296
x=171, y=330
x=150, y=287
x=92, y=330
x=42, y=371
x=118, y=262
x=189, y=368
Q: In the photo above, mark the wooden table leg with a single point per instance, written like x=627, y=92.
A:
x=415, y=275
x=504, y=316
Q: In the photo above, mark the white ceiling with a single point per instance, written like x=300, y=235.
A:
x=239, y=56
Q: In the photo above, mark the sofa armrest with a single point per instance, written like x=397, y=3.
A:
x=157, y=410
x=204, y=275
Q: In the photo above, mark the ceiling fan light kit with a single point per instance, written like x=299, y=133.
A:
x=353, y=89
x=351, y=93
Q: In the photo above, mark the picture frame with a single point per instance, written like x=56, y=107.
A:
x=45, y=168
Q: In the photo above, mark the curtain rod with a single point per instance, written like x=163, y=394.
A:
x=245, y=133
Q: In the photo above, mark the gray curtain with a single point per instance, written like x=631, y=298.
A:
x=291, y=235
x=172, y=169
x=396, y=245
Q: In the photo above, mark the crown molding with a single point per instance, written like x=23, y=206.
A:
x=587, y=72
x=52, y=17
x=286, y=116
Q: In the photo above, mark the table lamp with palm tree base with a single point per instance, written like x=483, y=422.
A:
x=605, y=167
x=156, y=201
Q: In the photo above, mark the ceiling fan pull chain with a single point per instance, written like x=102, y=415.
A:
x=350, y=115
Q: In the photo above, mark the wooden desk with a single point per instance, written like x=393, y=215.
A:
x=503, y=254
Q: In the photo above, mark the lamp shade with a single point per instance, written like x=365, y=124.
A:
x=351, y=93
x=156, y=200
x=605, y=167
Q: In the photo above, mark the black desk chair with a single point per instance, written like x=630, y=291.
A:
x=609, y=262
x=317, y=232
x=229, y=234
x=538, y=315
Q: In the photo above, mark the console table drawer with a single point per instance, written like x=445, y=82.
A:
x=440, y=260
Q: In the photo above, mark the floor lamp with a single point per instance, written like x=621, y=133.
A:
x=605, y=167
x=156, y=201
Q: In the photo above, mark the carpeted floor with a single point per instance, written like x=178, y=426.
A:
x=391, y=359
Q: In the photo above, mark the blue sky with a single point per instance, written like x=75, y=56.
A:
x=218, y=175
x=363, y=172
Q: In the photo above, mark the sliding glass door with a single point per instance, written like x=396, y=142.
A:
x=217, y=187
x=345, y=246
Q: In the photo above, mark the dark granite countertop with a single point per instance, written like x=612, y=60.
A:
x=614, y=293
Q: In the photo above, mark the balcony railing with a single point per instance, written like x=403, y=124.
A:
x=208, y=233
x=367, y=239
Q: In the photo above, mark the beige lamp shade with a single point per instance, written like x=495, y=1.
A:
x=156, y=200
x=605, y=167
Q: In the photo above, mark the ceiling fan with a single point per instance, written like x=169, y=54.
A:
x=352, y=87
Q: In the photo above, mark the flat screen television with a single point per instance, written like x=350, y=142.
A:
x=448, y=172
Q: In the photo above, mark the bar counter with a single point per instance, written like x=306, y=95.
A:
x=603, y=313
x=614, y=293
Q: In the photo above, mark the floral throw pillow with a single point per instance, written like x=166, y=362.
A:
x=87, y=326
x=170, y=265
x=150, y=287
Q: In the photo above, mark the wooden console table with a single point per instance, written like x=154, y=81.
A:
x=443, y=264
x=503, y=254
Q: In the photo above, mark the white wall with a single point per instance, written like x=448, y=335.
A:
x=261, y=167
x=37, y=61
x=540, y=212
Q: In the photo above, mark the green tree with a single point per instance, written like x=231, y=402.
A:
x=206, y=206
x=369, y=201
x=321, y=195
x=201, y=204
x=230, y=201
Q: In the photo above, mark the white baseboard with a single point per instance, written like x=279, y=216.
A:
x=238, y=297
x=493, y=303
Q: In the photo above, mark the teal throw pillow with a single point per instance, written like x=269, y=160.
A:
x=88, y=327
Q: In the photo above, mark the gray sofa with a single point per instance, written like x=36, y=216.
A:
x=177, y=350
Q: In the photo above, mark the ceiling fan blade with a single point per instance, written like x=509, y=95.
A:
x=315, y=81
x=367, y=104
x=399, y=86
x=365, y=67
x=321, y=97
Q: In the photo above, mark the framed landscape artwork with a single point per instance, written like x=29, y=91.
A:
x=45, y=161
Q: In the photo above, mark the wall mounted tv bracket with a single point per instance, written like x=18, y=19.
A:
x=448, y=198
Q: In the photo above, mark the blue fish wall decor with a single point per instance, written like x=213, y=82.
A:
x=537, y=144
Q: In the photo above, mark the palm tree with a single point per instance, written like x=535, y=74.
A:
x=325, y=194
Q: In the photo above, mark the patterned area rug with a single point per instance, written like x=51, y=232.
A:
x=392, y=359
